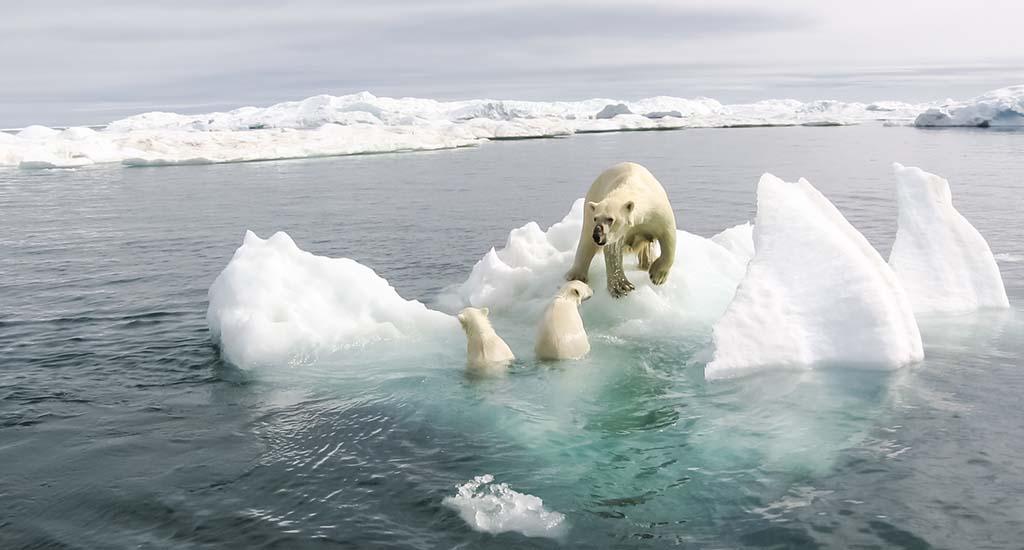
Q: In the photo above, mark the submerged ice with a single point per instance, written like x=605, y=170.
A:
x=496, y=508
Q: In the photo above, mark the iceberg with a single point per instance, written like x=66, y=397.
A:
x=495, y=508
x=1002, y=107
x=362, y=123
x=519, y=280
x=276, y=304
x=942, y=260
x=815, y=292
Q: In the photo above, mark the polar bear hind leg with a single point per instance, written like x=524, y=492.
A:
x=644, y=250
x=660, y=267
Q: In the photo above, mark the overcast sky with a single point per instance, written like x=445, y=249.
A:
x=76, y=61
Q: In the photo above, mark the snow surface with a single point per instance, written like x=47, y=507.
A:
x=520, y=278
x=362, y=123
x=942, y=260
x=495, y=508
x=1002, y=107
x=738, y=239
x=815, y=292
x=277, y=304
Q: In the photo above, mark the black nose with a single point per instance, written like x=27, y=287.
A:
x=599, y=237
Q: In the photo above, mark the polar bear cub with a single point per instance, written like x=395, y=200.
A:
x=485, y=350
x=627, y=210
x=561, y=334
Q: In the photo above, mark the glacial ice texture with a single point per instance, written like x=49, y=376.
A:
x=275, y=304
x=815, y=292
x=1002, y=107
x=942, y=260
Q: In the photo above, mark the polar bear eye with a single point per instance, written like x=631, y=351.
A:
x=611, y=221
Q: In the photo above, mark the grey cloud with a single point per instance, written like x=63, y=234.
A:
x=70, y=57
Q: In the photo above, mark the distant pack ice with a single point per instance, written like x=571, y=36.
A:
x=360, y=123
x=1002, y=107
x=942, y=260
x=815, y=292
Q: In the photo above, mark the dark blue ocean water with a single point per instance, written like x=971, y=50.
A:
x=121, y=428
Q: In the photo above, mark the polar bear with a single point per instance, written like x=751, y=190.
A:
x=485, y=350
x=561, y=334
x=627, y=210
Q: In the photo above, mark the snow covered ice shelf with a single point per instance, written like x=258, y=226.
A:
x=361, y=123
x=1002, y=107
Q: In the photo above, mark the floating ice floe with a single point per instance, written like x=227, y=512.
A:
x=798, y=288
x=942, y=260
x=1002, y=107
x=362, y=123
x=495, y=508
x=276, y=304
x=815, y=292
x=520, y=279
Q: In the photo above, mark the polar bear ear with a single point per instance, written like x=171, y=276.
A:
x=485, y=311
x=629, y=206
x=592, y=206
x=462, y=319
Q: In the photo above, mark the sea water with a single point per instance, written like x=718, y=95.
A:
x=120, y=426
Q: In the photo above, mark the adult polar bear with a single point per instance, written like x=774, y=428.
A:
x=627, y=210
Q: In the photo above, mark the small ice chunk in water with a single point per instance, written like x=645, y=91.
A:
x=942, y=260
x=496, y=508
x=814, y=292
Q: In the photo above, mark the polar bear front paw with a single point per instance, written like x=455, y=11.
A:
x=619, y=287
x=574, y=275
x=659, y=272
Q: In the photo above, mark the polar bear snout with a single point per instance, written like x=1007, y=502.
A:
x=600, y=236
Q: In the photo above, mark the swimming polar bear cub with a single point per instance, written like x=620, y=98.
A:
x=627, y=210
x=561, y=334
x=485, y=350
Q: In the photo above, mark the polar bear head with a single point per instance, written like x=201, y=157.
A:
x=575, y=291
x=474, y=320
x=611, y=217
